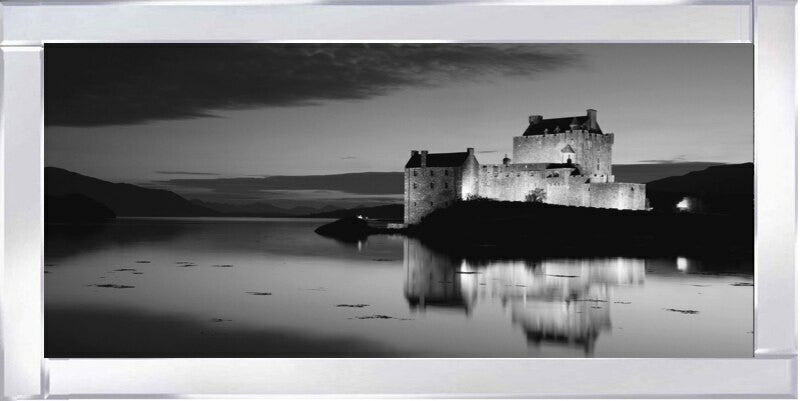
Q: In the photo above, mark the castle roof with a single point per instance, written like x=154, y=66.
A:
x=455, y=159
x=567, y=149
x=563, y=123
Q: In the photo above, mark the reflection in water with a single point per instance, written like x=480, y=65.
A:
x=183, y=304
x=559, y=301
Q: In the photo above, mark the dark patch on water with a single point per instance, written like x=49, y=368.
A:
x=622, y=302
x=114, y=286
x=49, y=265
x=742, y=284
x=481, y=283
x=259, y=293
x=142, y=261
x=700, y=285
x=125, y=270
x=138, y=273
x=46, y=272
x=562, y=275
x=596, y=307
x=683, y=311
x=383, y=260
x=223, y=265
x=381, y=317
x=466, y=272
x=351, y=305
x=219, y=320
x=589, y=300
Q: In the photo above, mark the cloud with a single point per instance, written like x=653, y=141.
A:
x=676, y=159
x=374, y=184
x=99, y=84
x=184, y=173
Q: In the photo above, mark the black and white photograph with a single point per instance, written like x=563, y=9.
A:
x=399, y=200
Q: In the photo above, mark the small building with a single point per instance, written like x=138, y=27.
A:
x=561, y=161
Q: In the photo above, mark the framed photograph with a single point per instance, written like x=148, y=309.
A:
x=485, y=199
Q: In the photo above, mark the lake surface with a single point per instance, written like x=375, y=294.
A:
x=272, y=287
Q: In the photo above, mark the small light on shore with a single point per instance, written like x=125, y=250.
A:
x=682, y=263
x=683, y=205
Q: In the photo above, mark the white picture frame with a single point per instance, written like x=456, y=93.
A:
x=27, y=26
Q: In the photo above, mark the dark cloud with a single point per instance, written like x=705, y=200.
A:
x=91, y=84
x=676, y=159
x=184, y=173
x=257, y=188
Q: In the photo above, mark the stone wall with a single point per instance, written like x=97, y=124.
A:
x=592, y=151
x=509, y=182
x=430, y=188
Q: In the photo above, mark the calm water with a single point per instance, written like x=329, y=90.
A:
x=272, y=287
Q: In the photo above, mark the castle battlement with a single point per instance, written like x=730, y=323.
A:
x=564, y=161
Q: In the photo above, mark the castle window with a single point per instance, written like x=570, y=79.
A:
x=446, y=186
x=431, y=203
x=415, y=173
x=431, y=185
x=415, y=203
x=447, y=172
x=598, y=164
x=432, y=173
x=415, y=185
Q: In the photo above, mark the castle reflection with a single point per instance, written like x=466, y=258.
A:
x=554, y=301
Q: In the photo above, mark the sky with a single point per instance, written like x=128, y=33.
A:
x=153, y=113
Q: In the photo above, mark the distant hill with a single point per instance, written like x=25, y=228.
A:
x=393, y=212
x=643, y=173
x=122, y=199
x=75, y=208
x=719, y=189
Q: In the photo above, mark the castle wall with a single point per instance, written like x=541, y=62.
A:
x=509, y=182
x=592, y=151
x=430, y=188
x=618, y=196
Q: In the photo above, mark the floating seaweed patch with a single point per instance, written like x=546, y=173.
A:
x=352, y=305
x=381, y=317
x=259, y=293
x=115, y=286
x=683, y=311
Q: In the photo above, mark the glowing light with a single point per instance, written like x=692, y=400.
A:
x=682, y=263
x=683, y=205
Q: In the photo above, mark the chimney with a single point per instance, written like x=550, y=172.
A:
x=423, y=158
x=470, y=151
x=414, y=153
x=534, y=119
x=592, y=114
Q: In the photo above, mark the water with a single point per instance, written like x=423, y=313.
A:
x=272, y=287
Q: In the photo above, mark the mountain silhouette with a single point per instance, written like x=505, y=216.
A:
x=75, y=208
x=724, y=189
x=122, y=199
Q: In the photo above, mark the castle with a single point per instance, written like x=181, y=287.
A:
x=560, y=161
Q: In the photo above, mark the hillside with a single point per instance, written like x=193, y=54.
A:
x=122, y=199
x=75, y=208
x=719, y=189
